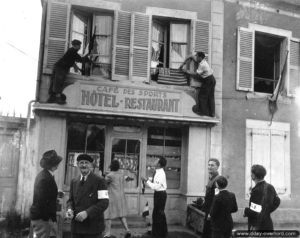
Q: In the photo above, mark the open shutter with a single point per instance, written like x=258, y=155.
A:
x=277, y=172
x=141, y=44
x=294, y=78
x=56, y=33
x=245, y=60
x=121, y=52
x=201, y=35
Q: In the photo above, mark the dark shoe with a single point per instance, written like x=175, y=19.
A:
x=127, y=235
x=195, y=109
x=51, y=99
x=61, y=99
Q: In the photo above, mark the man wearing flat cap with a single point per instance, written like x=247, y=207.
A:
x=60, y=71
x=43, y=209
x=87, y=202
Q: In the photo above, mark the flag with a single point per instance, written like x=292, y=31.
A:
x=146, y=210
x=278, y=90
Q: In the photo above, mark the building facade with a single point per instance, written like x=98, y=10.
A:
x=261, y=45
x=132, y=104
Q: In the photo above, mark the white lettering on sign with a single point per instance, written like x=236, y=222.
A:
x=130, y=99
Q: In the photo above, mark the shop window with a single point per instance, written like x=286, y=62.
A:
x=265, y=55
x=94, y=30
x=84, y=138
x=165, y=142
x=269, y=146
x=127, y=152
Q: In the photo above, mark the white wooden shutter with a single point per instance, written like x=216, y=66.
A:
x=57, y=29
x=201, y=35
x=121, y=52
x=245, y=60
x=141, y=47
x=277, y=172
x=294, y=77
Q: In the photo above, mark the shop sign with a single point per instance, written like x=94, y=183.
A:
x=127, y=99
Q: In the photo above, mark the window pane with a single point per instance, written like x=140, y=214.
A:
x=118, y=145
x=76, y=136
x=95, y=138
x=165, y=142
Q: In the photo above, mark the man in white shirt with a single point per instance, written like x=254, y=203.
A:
x=205, y=106
x=159, y=185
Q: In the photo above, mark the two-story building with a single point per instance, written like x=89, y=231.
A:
x=132, y=104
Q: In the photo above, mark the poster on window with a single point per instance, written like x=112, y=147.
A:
x=128, y=162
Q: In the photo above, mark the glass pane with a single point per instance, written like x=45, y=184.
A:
x=129, y=161
x=76, y=136
x=118, y=145
x=155, y=136
x=95, y=138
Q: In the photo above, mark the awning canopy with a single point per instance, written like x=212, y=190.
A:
x=63, y=111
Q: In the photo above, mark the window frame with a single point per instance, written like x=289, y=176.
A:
x=252, y=28
x=264, y=125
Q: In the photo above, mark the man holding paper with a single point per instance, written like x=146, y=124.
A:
x=87, y=202
x=263, y=201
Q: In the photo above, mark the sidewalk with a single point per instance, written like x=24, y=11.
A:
x=175, y=231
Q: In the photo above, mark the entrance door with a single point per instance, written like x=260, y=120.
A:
x=127, y=152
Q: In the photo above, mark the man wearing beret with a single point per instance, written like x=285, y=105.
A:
x=60, y=71
x=87, y=202
x=43, y=209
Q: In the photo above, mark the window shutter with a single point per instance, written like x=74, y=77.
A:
x=141, y=43
x=245, y=60
x=294, y=77
x=121, y=52
x=56, y=33
x=201, y=35
x=277, y=172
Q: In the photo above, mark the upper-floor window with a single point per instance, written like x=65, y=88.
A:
x=125, y=45
x=265, y=55
x=94, y=30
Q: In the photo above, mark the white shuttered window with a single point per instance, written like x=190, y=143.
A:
x=269, y=146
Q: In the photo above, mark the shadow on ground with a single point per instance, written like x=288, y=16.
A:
x=171, y=234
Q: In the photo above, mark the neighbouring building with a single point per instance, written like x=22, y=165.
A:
x=133, y=105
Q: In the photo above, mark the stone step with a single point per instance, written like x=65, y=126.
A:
x=277, y=226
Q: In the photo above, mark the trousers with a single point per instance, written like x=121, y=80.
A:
x=159, y=221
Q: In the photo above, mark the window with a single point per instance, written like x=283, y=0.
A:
x=269, y=146
x=120, y=42
x=269, y=55
x=94, y=30
x=264, y=54
x=165, y=142
x=84, y=138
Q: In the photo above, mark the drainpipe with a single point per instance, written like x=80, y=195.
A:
x=41, y=50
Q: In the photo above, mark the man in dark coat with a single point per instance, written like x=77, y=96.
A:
x=224, y=203
x=263, y=201
x=87, y=202
x=60, y=71
x=213, y=166
x=43, y=209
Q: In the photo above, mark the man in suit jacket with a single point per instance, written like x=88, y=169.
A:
x=224, y=203
x=43, y=209
x=87, y=202
x=213, y=166
x=263, y=201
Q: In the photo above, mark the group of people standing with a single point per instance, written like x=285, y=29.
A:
x=93, y=200
x=219, y=203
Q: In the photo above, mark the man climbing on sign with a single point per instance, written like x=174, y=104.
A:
x=205, y=105
x=60, y=71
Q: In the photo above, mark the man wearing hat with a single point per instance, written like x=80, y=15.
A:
x=60, y=71
x=43, y=209
x=87, y=202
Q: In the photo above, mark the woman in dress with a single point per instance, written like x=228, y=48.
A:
x=117, y=202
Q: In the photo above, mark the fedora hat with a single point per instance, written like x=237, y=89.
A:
x=50, y=159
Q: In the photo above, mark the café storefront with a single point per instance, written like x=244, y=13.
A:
x=134, y=124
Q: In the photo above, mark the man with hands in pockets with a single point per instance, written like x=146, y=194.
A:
x=87, y=202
